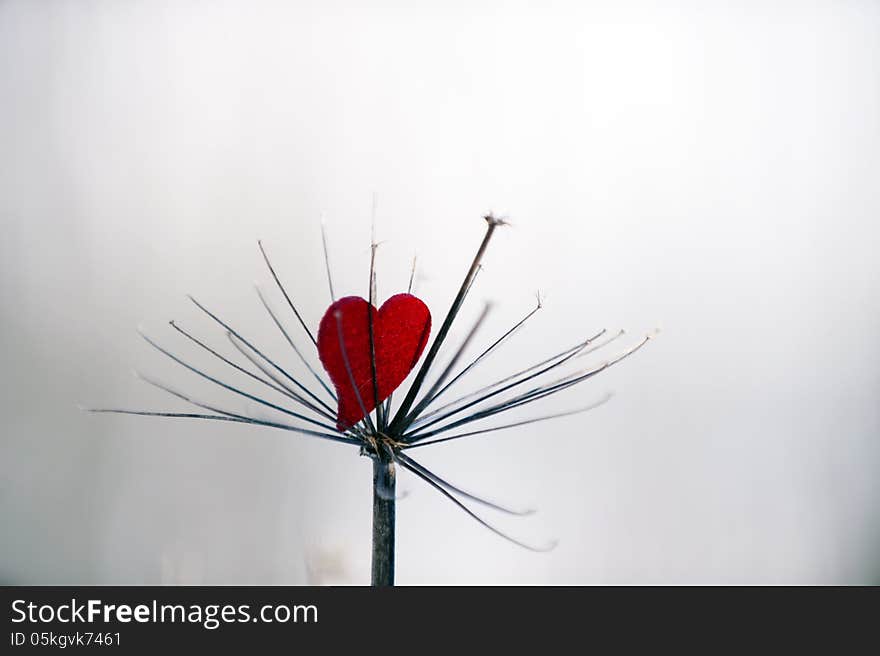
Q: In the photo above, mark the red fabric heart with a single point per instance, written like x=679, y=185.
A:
x=400, y=331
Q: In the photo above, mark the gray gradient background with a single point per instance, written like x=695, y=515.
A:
x=707, y=168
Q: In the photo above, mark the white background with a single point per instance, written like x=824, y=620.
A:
x=707, y=168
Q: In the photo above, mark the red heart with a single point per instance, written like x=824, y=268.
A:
x=400, y=332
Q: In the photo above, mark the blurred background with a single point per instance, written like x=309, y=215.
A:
x=706, y=168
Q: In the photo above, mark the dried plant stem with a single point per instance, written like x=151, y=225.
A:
x=383, y=522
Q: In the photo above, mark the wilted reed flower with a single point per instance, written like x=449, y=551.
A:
x=367, y=353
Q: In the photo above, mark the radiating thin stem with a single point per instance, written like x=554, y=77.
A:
x=567, y=356
x=403, y=410
x=240, y=420
x=206, y=406
x=275, y=366
x=380, y=415
x=471, y=513
x=420, y=421
x=290, y=341
x=284, y=291
x=370, y=428
x=327, y=260
x=487, y=351
x=231, y=388
x=412, y=275
x=528, y=397
x=457, y=490
x=546, y=389
x=431, y=397
x=290, y=392
x=524, y=422
x=432, y=392
x=278, y=388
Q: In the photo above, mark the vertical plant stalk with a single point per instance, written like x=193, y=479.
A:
x=383, y=521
